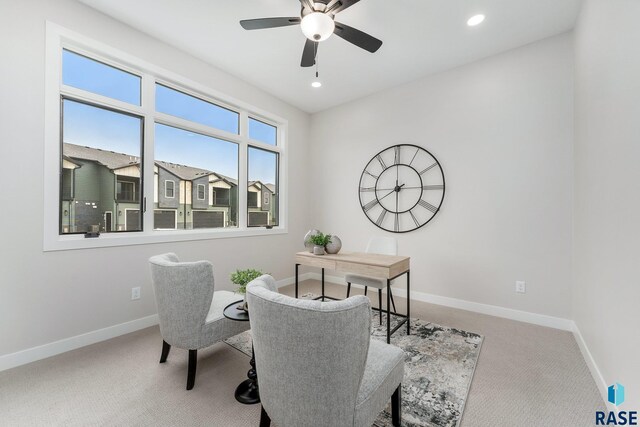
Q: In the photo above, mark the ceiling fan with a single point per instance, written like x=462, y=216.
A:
x=317, y=20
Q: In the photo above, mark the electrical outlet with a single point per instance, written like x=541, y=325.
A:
x=521, y=287
x=135, y=293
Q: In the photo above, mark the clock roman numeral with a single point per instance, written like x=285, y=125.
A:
x=432, y=187
x=384, y=166
x=371, y=175
x=381, y=217
x=370, y=205
x=396, y=157
x=415, y=220
x=396, y=224
x=365, y=189
x=428, y=168
x=428, y=206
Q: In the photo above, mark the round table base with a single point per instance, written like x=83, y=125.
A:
x=247, y=392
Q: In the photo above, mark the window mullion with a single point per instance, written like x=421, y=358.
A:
x=243, y=169
x=148, y=108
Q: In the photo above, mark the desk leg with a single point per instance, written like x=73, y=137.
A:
x=408, y=302
x=323, y=285
x=388, y=312
x=297, y=267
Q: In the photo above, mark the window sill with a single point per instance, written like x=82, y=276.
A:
x=78, y=241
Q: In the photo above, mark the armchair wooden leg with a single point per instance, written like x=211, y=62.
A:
x=165, y=351
x=365, y=291
x=191, y=375
x=265, y=421
x=396, y=407
x=380, y=304
x=348, y=289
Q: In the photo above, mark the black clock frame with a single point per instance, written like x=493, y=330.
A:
x=421, y=190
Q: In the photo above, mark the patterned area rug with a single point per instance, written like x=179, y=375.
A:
x=439, y=368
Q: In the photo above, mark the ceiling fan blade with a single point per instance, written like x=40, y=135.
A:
x=339, y=5
x=357, y=37
x=261, y=23
x=309, y=53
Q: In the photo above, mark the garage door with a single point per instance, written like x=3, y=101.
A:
x=164, y=219
x=258, y=219
x=208, y=219
x=133, y=220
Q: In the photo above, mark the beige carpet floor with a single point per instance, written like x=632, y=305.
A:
x=526, y=376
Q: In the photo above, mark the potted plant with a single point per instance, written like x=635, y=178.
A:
x=242, y=279
x=319, y=241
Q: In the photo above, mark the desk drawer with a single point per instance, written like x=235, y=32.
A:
x=363, y=269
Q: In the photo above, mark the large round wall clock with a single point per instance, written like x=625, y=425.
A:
x=402, y=188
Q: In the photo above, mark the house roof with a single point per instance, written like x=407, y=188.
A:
x=113, y=160
x=110, y=159
x=271, y=187
x=188, y=173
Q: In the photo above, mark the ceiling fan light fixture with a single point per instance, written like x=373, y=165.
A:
x=317, y=26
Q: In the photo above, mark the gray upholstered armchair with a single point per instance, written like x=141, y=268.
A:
x=316, y=362
x=189, y=310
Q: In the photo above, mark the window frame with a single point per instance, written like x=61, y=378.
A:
x=204, y=192
x=173, y=189
x=59, y=38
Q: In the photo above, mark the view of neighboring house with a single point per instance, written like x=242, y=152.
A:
x=99, y=188
x=102, y=188
x=188, y=197
x=262, y=204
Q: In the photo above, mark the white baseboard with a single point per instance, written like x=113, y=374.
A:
x=492, y=310
x=29, y=355
x=593, y=367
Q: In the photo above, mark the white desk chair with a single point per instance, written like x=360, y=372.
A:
x=376, y=245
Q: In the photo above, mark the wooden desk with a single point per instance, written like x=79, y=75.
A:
x=386, y=267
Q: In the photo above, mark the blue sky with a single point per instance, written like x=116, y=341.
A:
x=95, y=127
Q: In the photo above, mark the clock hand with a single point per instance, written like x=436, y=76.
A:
x=397, y=192
x=389, y=193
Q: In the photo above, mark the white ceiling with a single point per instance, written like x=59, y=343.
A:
x=420, y=37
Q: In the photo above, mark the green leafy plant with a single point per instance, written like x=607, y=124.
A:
x=320, y=239
x=243, y=277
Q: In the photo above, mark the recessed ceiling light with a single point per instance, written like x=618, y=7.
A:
x=475, y=20
x=316, y=84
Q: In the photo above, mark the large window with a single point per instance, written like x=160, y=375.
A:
x=110, y=112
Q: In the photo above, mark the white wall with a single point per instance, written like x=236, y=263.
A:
x=607, y=190
x=502, y=130
x=51, y=296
